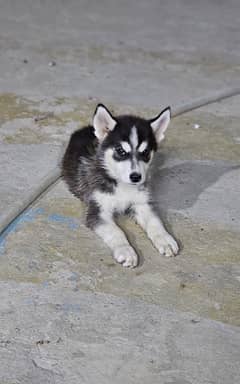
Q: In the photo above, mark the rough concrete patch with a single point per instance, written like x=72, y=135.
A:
x=129, y=53
x=100, y=338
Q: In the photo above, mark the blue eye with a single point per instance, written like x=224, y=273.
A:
x=145, y=152
x=145, y=155
x=120, y=151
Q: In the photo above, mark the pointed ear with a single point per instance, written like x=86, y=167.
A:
x=103, y=122
x=160, y=124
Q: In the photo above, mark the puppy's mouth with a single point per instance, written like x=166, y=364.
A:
x=135, y=183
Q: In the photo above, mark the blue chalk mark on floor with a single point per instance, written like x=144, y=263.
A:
x=29, y=216
x=69, y=221
x=69, y=307
x=25, y=217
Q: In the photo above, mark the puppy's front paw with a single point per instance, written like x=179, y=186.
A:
x=126, y=256
x=166, y=245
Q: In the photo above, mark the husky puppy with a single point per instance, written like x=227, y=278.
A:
x=105, y=165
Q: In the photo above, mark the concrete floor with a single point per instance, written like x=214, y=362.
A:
x=68, y=313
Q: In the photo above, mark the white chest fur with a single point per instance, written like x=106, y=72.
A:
x=123, y=196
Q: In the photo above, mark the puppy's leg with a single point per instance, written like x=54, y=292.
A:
x=112, y=235
x=116, y=240
x=150, y=222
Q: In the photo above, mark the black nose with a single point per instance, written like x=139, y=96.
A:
x=135, y=177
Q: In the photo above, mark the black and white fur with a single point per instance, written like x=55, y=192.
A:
x=105, y=165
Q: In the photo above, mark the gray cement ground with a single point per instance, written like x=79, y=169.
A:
x=68, y=313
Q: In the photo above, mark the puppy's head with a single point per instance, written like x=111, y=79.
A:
x=128, y=143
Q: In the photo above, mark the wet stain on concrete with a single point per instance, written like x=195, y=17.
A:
x=14, y=107
x=18, y=124
x=64, y=115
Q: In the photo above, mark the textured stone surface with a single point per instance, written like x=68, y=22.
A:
x=68, y=312
x=147, y=53
x=52, y=266
x=61, y=336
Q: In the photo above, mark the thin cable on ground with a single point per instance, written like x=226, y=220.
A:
x=205, y=101
x=50, y=179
